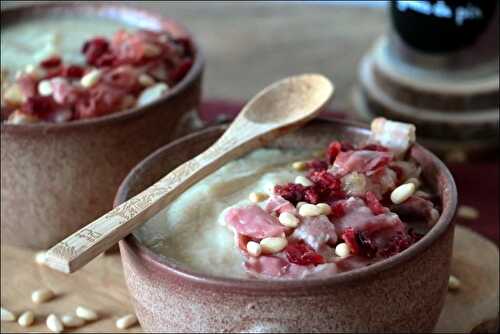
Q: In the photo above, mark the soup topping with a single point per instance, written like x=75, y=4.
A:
x=131, y=69
x=355, y=206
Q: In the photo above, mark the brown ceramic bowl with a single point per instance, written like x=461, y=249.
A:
x=58, y=177
x=404, y=293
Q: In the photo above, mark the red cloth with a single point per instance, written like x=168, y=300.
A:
x=477, y=183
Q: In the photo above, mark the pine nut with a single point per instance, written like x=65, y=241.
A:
x=303, y=181
x=273, y=244
x=40, y=257
x=257, y=197
x=402, y=193
x=309, y=210
x=454, y=283
x=54, y=324
x=289, y=220
x=14, y=95
x=26, y=319
x=126, y=322
x=325, y=208
x=6, y=315
x=151, y=50
x=146, y=80
x=342, y=250
x=414, y=180
x=18, y=117
x=45, y=88
x=467, y=212
x=42, y=295
x=86, y=313
x=254, y=248
x=151, y=93
x=299, y=204
x=299, y=166
x=35, y=71
x=72, y=321
x=91, y=78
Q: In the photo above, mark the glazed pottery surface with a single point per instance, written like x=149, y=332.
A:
x=56, y=178
x=404, y=293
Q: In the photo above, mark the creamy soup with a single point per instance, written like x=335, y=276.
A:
x=61, y=69
x=193, y=225
x=32, y=41
x=281, y=214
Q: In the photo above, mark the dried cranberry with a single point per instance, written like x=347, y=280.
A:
x=338, y=209
x=367, y=248
x=349, y=237
x=317, y=165
x=301, y=254
x=311, y=195
x=51, y=62
x=107, y=59
x=325, y=179
x=398, y=243
x=332, y=151
x=375, y=147
x=94, y=49
x=373, y=203
x=292, y=192
x=178, y=73
x=73, y=71
x=38, y=105
x=359, y=243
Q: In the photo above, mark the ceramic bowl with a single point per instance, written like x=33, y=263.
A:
x=56, y=178
x=404, y=293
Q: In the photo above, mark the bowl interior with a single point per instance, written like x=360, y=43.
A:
x=315, y=135
x=130, y=17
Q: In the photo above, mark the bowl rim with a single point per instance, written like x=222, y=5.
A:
x=166, y=266
x=194, y=72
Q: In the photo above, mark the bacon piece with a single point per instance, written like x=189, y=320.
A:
x=301, y=254
x=254, y=222
x=396, y=136
x=315, y=232
x=362, y=161
x=99, y=100
x=28, y=85
x=64, y=92
x=359, y=217
x=266, y=266
x=417, y=209
x=123, y=77
x=276, y=267
x=278, y=205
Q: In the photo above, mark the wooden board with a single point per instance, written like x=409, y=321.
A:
x=100, y=285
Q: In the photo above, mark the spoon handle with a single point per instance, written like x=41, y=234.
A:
x=82, y=246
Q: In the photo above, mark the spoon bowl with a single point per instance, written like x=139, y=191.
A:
x=276, y=110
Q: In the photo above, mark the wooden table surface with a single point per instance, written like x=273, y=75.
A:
x=250, y=45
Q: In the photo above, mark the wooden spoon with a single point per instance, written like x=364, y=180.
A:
x=278, y=109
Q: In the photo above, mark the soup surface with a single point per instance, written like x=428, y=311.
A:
x=193, y=225
x=31, y=41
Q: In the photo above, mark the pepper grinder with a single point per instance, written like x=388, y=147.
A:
x=437, y=67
